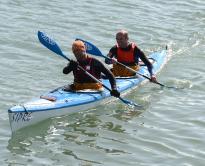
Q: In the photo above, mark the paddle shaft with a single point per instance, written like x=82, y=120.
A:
x=93, y=50
x=134, y=71
x=90, y=75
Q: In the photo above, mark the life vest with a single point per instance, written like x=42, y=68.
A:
x=126, y=56
x=82, y=86
x=82, y=80
x=120, y=71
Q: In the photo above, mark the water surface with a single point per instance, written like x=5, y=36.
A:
x=170, y=131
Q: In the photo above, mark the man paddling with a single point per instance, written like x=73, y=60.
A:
x=81, y=80
x=128, y=54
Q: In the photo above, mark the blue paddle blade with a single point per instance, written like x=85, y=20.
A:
x=50, y=43
x=130, y=103
x=90, y=48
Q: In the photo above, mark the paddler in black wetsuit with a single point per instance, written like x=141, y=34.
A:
x=81, y=80
x=128, y=54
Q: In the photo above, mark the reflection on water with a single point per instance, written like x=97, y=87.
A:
x=126, y=115
x=21, y=140
x=84, y=130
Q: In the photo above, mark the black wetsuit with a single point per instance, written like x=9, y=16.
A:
x=97, y=67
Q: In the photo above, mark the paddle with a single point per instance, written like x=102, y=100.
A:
x=52, y=45
x=93, y=50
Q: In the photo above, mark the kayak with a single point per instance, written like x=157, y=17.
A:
x=59, y=102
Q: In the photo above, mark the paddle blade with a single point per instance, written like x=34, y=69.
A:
x=130, y=103
x=172, y=87
x=50, y=44
x=90, y=48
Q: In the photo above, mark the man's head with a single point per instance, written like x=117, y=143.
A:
x=79, y=50
x=122, y=38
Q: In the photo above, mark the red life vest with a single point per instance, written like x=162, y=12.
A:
x=126, y=56
x=81, y=77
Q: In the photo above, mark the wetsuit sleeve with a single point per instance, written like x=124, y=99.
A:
x=101, y=67
x=142, y=56
x=67, y=69
x=112, y=53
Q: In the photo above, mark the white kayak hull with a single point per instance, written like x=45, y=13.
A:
x=22, y=119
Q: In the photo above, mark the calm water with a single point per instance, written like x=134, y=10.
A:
x=170, y=131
